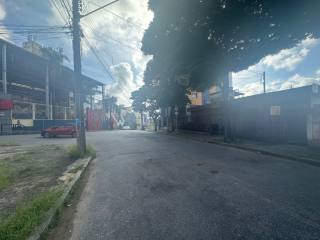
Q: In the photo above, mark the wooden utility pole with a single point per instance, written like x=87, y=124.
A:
x=264, y=81
x=78, y=87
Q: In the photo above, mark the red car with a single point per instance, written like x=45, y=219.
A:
x=68, y=130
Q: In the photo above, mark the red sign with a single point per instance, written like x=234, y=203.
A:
x=6, y=104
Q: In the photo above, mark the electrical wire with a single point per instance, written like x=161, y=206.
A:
x=119, y=16
x=95, y=52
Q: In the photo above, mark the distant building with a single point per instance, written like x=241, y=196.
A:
x=196, y=98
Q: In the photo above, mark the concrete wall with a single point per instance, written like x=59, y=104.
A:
x=291, y=116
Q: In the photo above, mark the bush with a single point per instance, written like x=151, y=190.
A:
x=74, y=152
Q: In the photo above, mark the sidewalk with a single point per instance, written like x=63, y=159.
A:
x=307, y=154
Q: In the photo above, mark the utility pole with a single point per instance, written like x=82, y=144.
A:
x=4, y=68
x=227, y=86
x=78, y=88
x=264, y=81
x=78, y=85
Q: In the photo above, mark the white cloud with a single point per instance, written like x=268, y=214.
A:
x=294, y=81
x=116, y=32
x=277, y=67
x=2, y=11
x=290, y=58
x=4, y=32
x=298, y=81
x=119, y=39
x=286, y=59
x=124, y=84
x=251, y=89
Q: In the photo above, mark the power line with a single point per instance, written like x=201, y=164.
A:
x=99, y=8
x=120, y=17
x=60, y=11
x=117, y=41
x=90, y=22
x=67, y=9
x=30, y=26
x=94, y=51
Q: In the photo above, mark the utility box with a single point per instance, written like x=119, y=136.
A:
x=6, y=106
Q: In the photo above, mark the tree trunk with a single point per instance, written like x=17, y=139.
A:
x=110, y=122
x=141, y=115
x=155, y=124
x=168, y=119
x=172, y=119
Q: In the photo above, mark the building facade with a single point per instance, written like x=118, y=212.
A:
x=39, y=85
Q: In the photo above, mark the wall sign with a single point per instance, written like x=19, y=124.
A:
x=6, y=104
x=275, y=110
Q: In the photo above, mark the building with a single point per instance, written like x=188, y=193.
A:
x=39, y=86
x=196, y=98
x=291, y=116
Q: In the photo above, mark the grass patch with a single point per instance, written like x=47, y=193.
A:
x=74, y=152
x=4, y=176
x=76, y=169
x=15, y=167
x=9, y=144
x=21, y=224
x=23, y=157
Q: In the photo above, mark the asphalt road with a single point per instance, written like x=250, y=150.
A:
x=151, y=186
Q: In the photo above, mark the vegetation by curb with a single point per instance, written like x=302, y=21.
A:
x=19, y=225
x=41, y=230
x=74, y=152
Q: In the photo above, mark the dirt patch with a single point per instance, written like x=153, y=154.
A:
x=28, y=172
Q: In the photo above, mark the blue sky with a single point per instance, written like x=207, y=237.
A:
x=289, y=68
x=117, y=33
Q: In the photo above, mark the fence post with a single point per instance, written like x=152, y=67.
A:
x=65, y=113
x=33, y=111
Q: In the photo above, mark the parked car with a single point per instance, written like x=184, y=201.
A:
x=67, y=130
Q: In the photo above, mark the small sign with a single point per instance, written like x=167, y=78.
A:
x=2, y=114
x=315, y=89
x=275, y=110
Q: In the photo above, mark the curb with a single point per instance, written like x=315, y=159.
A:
x=41, y=229
x=297, y=159
x=287, y=157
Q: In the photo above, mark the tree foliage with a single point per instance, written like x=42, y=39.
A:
x=200, y=40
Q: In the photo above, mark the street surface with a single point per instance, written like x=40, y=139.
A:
x=144, y=185
x=151, y=186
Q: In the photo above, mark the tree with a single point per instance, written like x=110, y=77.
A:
x=139, y=98
x=205, y=39
x=166, y=90
x=110, y=105
x=199, y=42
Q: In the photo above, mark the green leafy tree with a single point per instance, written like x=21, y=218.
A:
x=139, y=98
x=203, y=40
